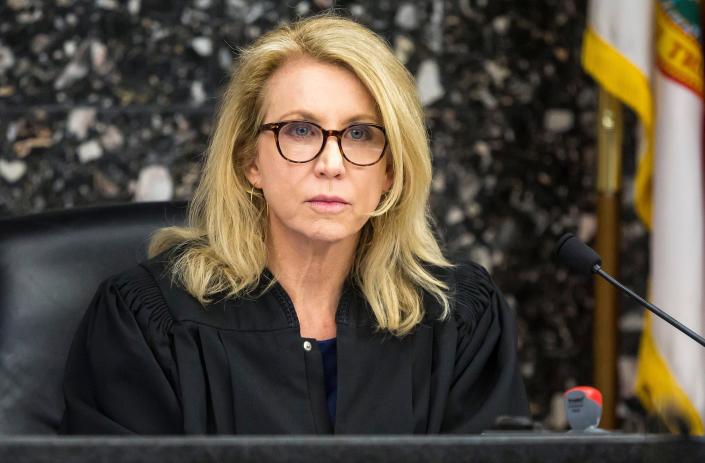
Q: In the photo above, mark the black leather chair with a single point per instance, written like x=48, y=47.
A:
x=50, y=267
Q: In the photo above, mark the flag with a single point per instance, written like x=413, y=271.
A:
x=649, y=55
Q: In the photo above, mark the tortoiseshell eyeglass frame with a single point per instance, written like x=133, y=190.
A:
x=277, y=126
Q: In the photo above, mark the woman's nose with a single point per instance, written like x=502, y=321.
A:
x=330, y=162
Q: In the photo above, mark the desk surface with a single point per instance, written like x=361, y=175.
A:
x=506, y=447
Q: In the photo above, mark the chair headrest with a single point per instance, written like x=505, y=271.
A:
x=50, y=267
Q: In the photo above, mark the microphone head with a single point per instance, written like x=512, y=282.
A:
x=583, y=407
x=577, y=255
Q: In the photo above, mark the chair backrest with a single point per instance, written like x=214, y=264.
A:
x=50, y=267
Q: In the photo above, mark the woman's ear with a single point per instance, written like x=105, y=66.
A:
x=253, y=175
x=388, y=178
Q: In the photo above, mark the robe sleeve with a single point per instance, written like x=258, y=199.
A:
x=119, y=376
x=486, y=379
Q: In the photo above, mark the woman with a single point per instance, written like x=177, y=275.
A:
x=307, y=294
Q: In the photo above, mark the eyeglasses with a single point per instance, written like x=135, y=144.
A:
x=303, y=141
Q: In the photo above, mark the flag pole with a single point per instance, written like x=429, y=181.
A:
x=605, y=333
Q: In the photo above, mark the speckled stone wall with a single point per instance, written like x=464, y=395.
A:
x=108, y=101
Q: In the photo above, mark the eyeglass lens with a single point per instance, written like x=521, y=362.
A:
x=301, y=141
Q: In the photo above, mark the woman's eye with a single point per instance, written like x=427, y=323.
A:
x=299, y=130
x=358, y=133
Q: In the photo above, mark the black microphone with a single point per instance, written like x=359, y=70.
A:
x=581, y=258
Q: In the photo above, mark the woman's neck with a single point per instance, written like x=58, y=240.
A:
x=312, y=273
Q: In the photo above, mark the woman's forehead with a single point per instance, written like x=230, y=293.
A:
x=320, y=91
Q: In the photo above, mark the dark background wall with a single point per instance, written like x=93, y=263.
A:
x=109, y=101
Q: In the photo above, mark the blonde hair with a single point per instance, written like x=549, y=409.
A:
x=223, y=248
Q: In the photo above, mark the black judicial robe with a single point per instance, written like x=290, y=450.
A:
x=149, y=359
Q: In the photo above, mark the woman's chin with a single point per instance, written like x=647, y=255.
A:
x=327, y=230
x=330, y=237
x=330, y=234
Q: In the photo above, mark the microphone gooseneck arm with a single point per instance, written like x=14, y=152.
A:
x=663, y=315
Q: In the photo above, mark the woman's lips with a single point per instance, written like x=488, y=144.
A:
x=328, y=198
x=327, y=206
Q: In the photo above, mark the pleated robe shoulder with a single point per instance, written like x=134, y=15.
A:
x=147, y=358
